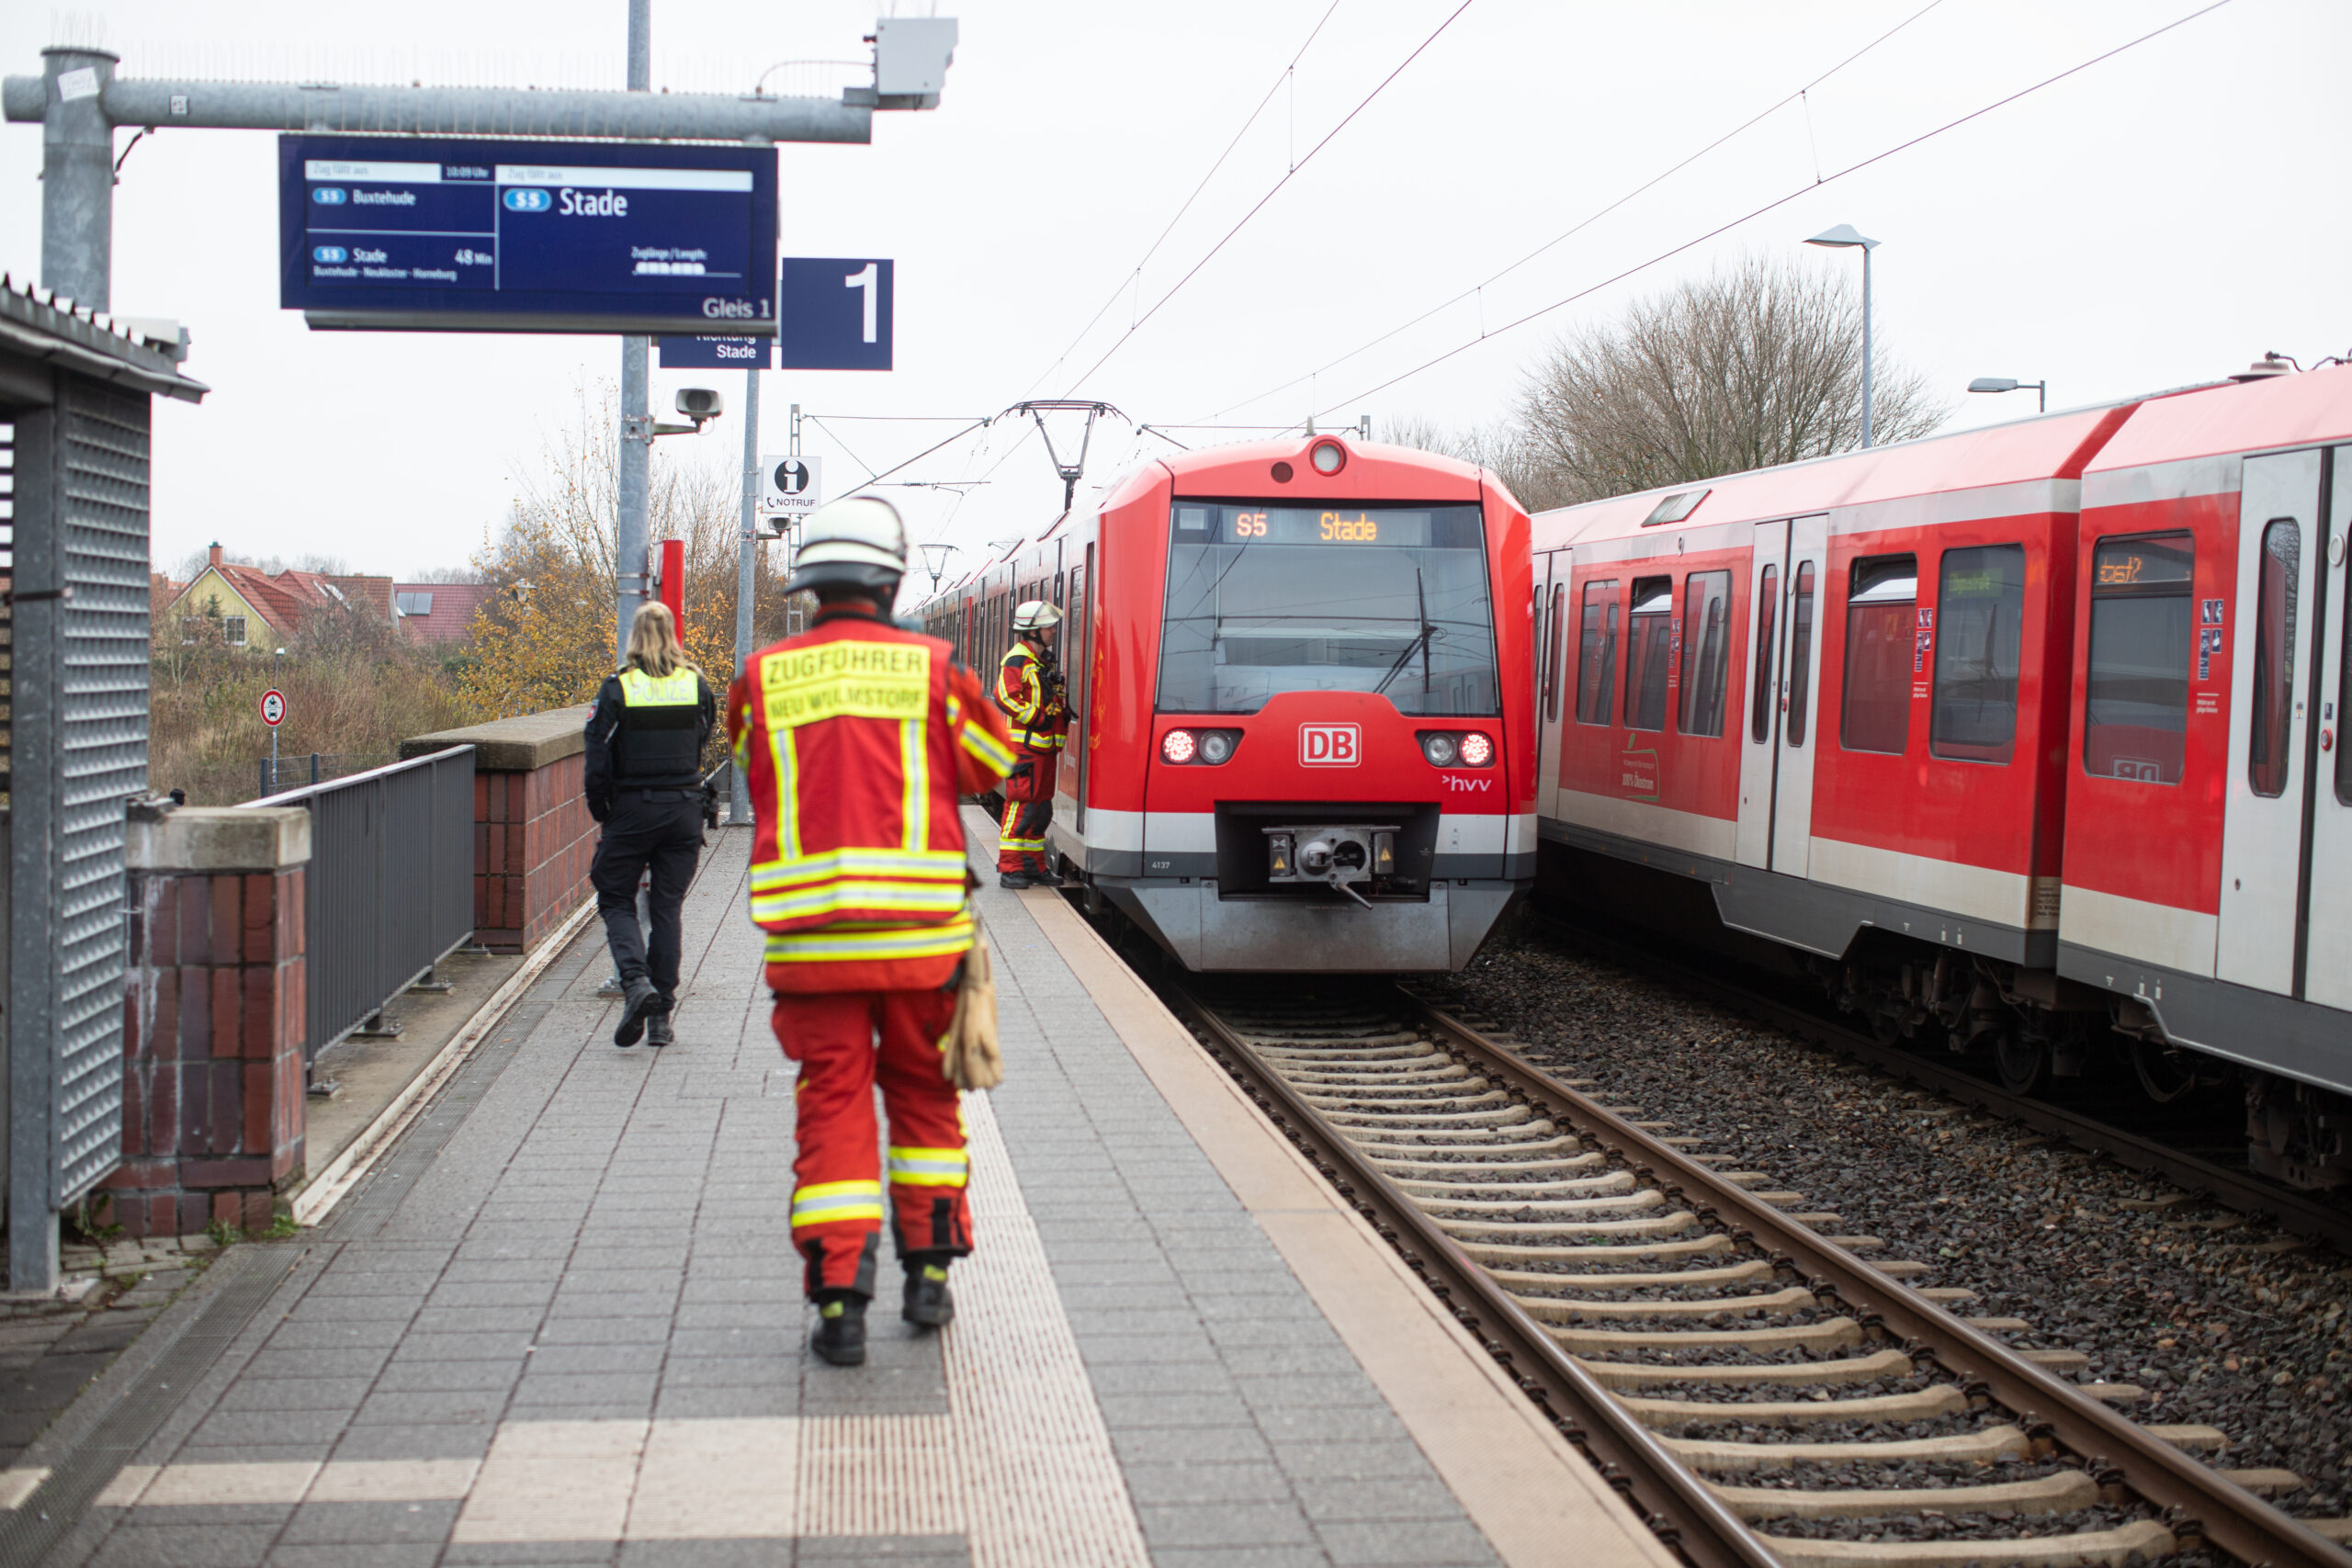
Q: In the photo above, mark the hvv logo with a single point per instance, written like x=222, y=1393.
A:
x=1330, y=745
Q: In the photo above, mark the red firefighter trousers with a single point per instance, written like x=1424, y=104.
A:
x=1028, y=811
x=846, y=1042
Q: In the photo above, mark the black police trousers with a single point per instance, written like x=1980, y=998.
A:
x=661, y=828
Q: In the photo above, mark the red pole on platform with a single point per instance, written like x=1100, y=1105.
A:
x=670, y=569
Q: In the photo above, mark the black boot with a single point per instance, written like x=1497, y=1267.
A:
x=641, y=1000
x=841, y=1328
x=1013, y=879
x=1042, y=878
x=658, y=1031
x=928, y=1301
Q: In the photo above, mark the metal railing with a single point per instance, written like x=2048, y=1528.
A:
x=276, y=774
x=390, y=890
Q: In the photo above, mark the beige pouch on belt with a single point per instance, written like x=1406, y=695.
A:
x=968, y=1055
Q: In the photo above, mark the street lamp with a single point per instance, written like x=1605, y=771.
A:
x=2011, y=384
x=1841, y=238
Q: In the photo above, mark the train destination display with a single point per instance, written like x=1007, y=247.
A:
x=396, y=233
x=1407, y=527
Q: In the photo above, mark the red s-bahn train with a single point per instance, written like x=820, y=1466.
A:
x=2011, y=734
x=1301, y=733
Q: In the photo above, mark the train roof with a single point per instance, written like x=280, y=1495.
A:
x=1242, y=470
x=2047, y=446
x=2284, y=411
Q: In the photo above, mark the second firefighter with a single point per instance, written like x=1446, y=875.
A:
x=1029, y=690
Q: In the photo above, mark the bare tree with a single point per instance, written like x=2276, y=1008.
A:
x=1505, y=450
x=1755, y=366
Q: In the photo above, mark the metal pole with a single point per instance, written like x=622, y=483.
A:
x=631, y=523
x=77, y=176
x=1866, y=345
x=738, y=793
x=795, y=614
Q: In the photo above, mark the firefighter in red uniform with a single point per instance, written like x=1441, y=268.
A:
x=1029, y=689
x=858, y=738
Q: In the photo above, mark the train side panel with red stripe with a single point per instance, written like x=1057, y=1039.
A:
x=2209, y=829
x=2043, y=729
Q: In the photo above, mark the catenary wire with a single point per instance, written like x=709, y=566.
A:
x=1177, y=287
x=1590, y=218
x=1128, y=278
x=1780, y=201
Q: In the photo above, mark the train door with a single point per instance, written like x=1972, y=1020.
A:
x=2263, y=869
x=1808, y=581
x=1550, y=647
x=2327, y=935
x=1768, y=569
x=1790, y=567
x=1078, y=663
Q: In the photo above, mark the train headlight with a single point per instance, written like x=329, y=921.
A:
x=1476, y=751
x=1177, y=746
x=1329, y=457
x=1216, y=745
x=1440, y=749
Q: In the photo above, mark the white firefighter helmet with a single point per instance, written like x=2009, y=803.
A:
x=859, y=541
x=1034, y=615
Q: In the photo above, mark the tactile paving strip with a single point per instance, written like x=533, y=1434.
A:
x=1041, y=1480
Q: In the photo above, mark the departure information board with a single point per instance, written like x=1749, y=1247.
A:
x=396, y=233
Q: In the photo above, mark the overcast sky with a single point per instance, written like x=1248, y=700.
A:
x=2159, y=217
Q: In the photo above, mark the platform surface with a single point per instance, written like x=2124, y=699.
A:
x=561, y=1324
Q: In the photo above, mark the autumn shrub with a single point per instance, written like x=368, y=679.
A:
x=355, y=689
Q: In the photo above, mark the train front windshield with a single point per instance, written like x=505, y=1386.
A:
x=1391, y=600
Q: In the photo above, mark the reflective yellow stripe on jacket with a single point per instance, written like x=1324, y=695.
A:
x=843, y=943
x=918, y=882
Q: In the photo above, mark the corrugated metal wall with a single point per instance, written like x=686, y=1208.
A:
x=100, y=664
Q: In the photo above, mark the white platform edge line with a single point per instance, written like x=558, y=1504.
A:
x=323, y=1191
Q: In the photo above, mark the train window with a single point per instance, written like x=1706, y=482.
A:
x=1706, y=647
x=1800, y=654
x=1879, y=612
x=1649, y=640
x=1384, y=601
x=1597, y=654
x=1767, y=604
x=2135, y=717
x=2271, y=735
x=1552, y=661
x=1980, y=607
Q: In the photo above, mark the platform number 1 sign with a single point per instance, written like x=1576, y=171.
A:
x=273, y=708
x=834, y=313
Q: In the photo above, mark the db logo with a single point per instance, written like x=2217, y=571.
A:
x=1329, y=745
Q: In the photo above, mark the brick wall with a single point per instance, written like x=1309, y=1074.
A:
x=533, y=843
x=214, y=1086
x=532, y=837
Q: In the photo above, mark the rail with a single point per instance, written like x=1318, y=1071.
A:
x=2200, y=1505
x=1673, y=1502
x=389, y=892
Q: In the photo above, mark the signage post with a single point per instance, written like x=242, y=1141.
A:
x=273, y=713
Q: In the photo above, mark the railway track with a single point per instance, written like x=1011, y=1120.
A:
x=1753, y=1386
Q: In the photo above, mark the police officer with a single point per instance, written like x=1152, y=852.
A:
x=644, y=784
x=858, y=737
x=1029, y=690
